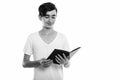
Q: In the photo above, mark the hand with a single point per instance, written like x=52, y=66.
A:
x=44, y=63
x=62, y=60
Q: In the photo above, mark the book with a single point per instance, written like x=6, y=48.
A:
x=68, y=54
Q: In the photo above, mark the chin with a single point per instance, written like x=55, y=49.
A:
x=48, y=27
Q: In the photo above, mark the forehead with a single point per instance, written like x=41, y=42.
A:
x=53, y=12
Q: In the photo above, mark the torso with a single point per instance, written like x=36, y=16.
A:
x=42, y=49
x=48, y=38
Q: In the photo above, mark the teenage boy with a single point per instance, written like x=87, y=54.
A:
x=41, y=44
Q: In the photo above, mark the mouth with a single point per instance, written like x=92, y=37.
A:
x=49, y=23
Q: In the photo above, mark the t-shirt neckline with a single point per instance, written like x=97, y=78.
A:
x=51, y=41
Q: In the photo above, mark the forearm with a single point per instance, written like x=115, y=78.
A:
x=31, y=64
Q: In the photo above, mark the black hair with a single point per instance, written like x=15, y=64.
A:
x=45, y=7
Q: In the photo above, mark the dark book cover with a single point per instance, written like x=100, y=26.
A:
x=61, y=52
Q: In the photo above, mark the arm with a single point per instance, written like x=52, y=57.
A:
x=29, y=64
x=43, y=63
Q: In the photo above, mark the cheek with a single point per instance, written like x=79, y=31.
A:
x=45, y=20
x=53, y=20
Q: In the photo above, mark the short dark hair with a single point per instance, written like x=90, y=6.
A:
x=43, y=8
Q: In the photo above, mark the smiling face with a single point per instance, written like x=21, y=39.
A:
x=49, y=19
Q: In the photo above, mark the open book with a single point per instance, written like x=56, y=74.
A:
x=61, y=52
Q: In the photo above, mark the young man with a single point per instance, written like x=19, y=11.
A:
x=41, y=44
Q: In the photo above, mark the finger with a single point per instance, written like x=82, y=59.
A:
x=51, y=60
x=61, y=58
x=48, y=61
x=64, y=56
x=57, y=61
x=58, y=58
x=47, y=64
x=66, y=59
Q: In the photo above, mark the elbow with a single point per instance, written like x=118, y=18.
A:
x=24, y=65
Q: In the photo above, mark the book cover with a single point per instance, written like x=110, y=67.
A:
x=61, y=52
x=56, y=52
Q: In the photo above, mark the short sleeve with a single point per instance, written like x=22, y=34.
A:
x=28, y=46
x=66, y=44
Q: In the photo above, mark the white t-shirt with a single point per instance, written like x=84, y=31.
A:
x=39, y=49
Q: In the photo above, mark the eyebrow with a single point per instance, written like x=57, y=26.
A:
x=53, y=15
x=49, y=15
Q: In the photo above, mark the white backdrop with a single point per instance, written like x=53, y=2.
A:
x=91, y=24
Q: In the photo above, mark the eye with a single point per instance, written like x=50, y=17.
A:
x=53, y=17
x=47, y=17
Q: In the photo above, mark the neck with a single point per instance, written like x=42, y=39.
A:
x=47, y=31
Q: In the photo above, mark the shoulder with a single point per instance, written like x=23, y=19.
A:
x=32, y=35
x=62, y=36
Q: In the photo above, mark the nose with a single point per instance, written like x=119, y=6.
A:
x=50, y=19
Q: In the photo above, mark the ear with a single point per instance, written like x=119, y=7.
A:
x=39, y=17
